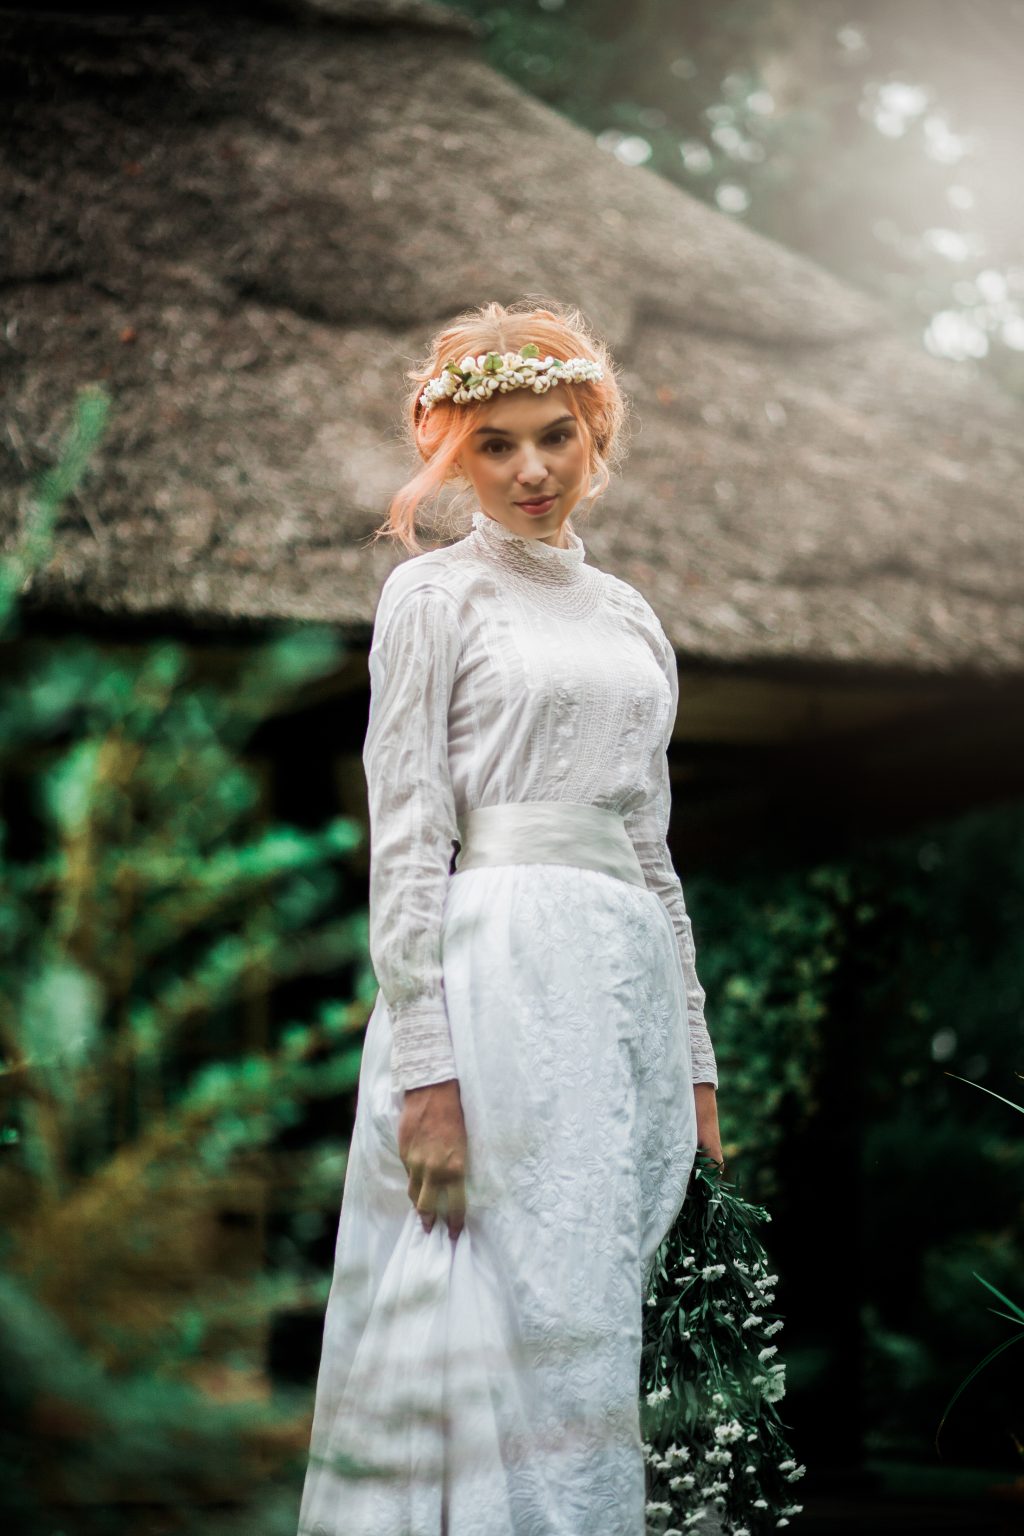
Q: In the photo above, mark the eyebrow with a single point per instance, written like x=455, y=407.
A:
x=557, y=422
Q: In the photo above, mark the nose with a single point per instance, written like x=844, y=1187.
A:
x=533, y=469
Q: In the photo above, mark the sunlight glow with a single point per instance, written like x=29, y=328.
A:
x=850, y=39
x=893, y=104
x=947, y=242
x=1012, y=332
x=941, y=143
x=731, y=197
x=630, y=148
x=696, y=156
x=960, y=197
x=955, y=335
x=992, y=285
x=728, y=137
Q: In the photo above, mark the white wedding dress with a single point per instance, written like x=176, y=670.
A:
x=490, y=1387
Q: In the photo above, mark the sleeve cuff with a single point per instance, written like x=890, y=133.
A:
x=702, y=1054
x=421, y=1045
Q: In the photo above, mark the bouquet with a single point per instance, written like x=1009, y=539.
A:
x=710, y=1373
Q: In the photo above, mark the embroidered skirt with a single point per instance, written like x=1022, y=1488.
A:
x=490, y=1386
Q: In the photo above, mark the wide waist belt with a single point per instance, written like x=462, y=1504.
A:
x=547, y=832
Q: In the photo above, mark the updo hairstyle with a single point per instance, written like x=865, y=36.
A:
x=440, y=434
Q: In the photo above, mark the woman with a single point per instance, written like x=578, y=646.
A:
x=537, y=1073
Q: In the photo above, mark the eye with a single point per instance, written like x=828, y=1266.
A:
x=561, y=436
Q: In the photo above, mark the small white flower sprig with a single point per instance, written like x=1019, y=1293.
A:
x=713, y=1439
x=477, y=378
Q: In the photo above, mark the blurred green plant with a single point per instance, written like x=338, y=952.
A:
x=147, y=907
x=782, y=934
x=942, y=986
x=900, y=957
x=1015, y=1314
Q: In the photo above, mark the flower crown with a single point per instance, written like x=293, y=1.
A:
x=477, y=378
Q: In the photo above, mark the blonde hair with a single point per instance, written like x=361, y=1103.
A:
x=439, y=435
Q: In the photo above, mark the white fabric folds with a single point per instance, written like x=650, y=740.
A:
x=496, y=1380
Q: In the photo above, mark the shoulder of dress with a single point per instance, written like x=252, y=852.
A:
x=636, y=612
x=433, y=569
x=630, y=601
x=455, y=569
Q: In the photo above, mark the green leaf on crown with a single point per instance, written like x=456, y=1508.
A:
x=530, y=350
x=492, y=362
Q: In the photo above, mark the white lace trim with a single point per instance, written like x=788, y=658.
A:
x=557, y=578
x=539, y=549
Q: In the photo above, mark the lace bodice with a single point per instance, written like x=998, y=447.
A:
x=502, y=669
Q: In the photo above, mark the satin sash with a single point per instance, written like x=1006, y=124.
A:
x=548, y=832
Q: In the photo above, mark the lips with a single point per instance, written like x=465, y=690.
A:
x=536, y=504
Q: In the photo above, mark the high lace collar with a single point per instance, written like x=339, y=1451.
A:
x=558, y=580
x=550, y=559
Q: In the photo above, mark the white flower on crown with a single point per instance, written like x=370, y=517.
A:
x=477, y=378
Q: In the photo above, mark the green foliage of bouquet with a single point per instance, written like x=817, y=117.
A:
x=713, y=1439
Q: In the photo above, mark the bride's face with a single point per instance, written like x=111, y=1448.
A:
x=527, y=446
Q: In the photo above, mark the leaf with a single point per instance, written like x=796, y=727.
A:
x=1011, y=1304
x=59, y=1019
x=530, y=350
x=968, y=1379
x=967, y=1080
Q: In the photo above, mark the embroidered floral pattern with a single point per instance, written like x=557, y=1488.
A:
x=503, y=669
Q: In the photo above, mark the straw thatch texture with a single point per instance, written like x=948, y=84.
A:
x=247, y=227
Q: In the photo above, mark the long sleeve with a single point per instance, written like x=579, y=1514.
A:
x=413, y=655
x=648, y=831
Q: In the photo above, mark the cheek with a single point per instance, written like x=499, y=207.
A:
x=484, y=469
x=578, y=458
x=481, y=468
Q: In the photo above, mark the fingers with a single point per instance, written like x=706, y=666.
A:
x=455, y=1207
x=432, y=1198
x=422, y=1196
x=428, y=1202
x=432, y=1146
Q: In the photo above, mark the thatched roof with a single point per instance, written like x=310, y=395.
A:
x=248, y=227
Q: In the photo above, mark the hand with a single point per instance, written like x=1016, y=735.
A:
x=709, y=1137
x=432, y=1146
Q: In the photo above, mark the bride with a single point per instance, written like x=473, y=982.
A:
x=537, y=1073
